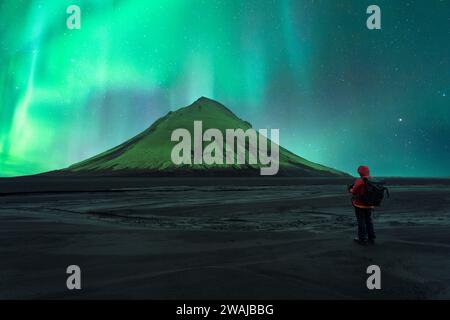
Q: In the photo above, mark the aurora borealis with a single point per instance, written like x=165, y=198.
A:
x=341, y=94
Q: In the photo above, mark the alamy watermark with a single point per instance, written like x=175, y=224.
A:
x=374, y=20
x=374, y=280
x=74, y=19
x=241, y=147
x=73, y=281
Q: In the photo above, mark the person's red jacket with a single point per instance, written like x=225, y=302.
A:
x=358, y=187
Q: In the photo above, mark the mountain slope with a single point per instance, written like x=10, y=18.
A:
x=149, y=152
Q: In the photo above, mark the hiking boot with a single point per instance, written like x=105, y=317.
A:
x=360, y=242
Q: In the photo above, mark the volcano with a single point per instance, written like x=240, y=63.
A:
x=149, y=153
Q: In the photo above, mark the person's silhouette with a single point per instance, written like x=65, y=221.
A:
x=363, y=212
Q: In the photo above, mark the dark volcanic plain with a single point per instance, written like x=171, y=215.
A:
x=219, y=238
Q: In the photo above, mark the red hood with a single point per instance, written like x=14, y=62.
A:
x=364, y=171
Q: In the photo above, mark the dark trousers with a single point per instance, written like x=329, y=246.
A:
x=365, y=224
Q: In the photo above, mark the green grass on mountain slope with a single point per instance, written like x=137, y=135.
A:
x=151, y=149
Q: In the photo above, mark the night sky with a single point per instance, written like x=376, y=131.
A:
x=341, y=95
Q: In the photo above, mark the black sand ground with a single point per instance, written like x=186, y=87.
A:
x=263, y=238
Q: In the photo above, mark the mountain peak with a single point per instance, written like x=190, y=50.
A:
x=207, y=102
x=204, y=99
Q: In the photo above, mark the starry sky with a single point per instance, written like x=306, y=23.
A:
x=341, y=95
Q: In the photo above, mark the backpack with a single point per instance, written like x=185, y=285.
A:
x=374, y=192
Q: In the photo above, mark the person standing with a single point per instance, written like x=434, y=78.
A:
x=363, y=211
